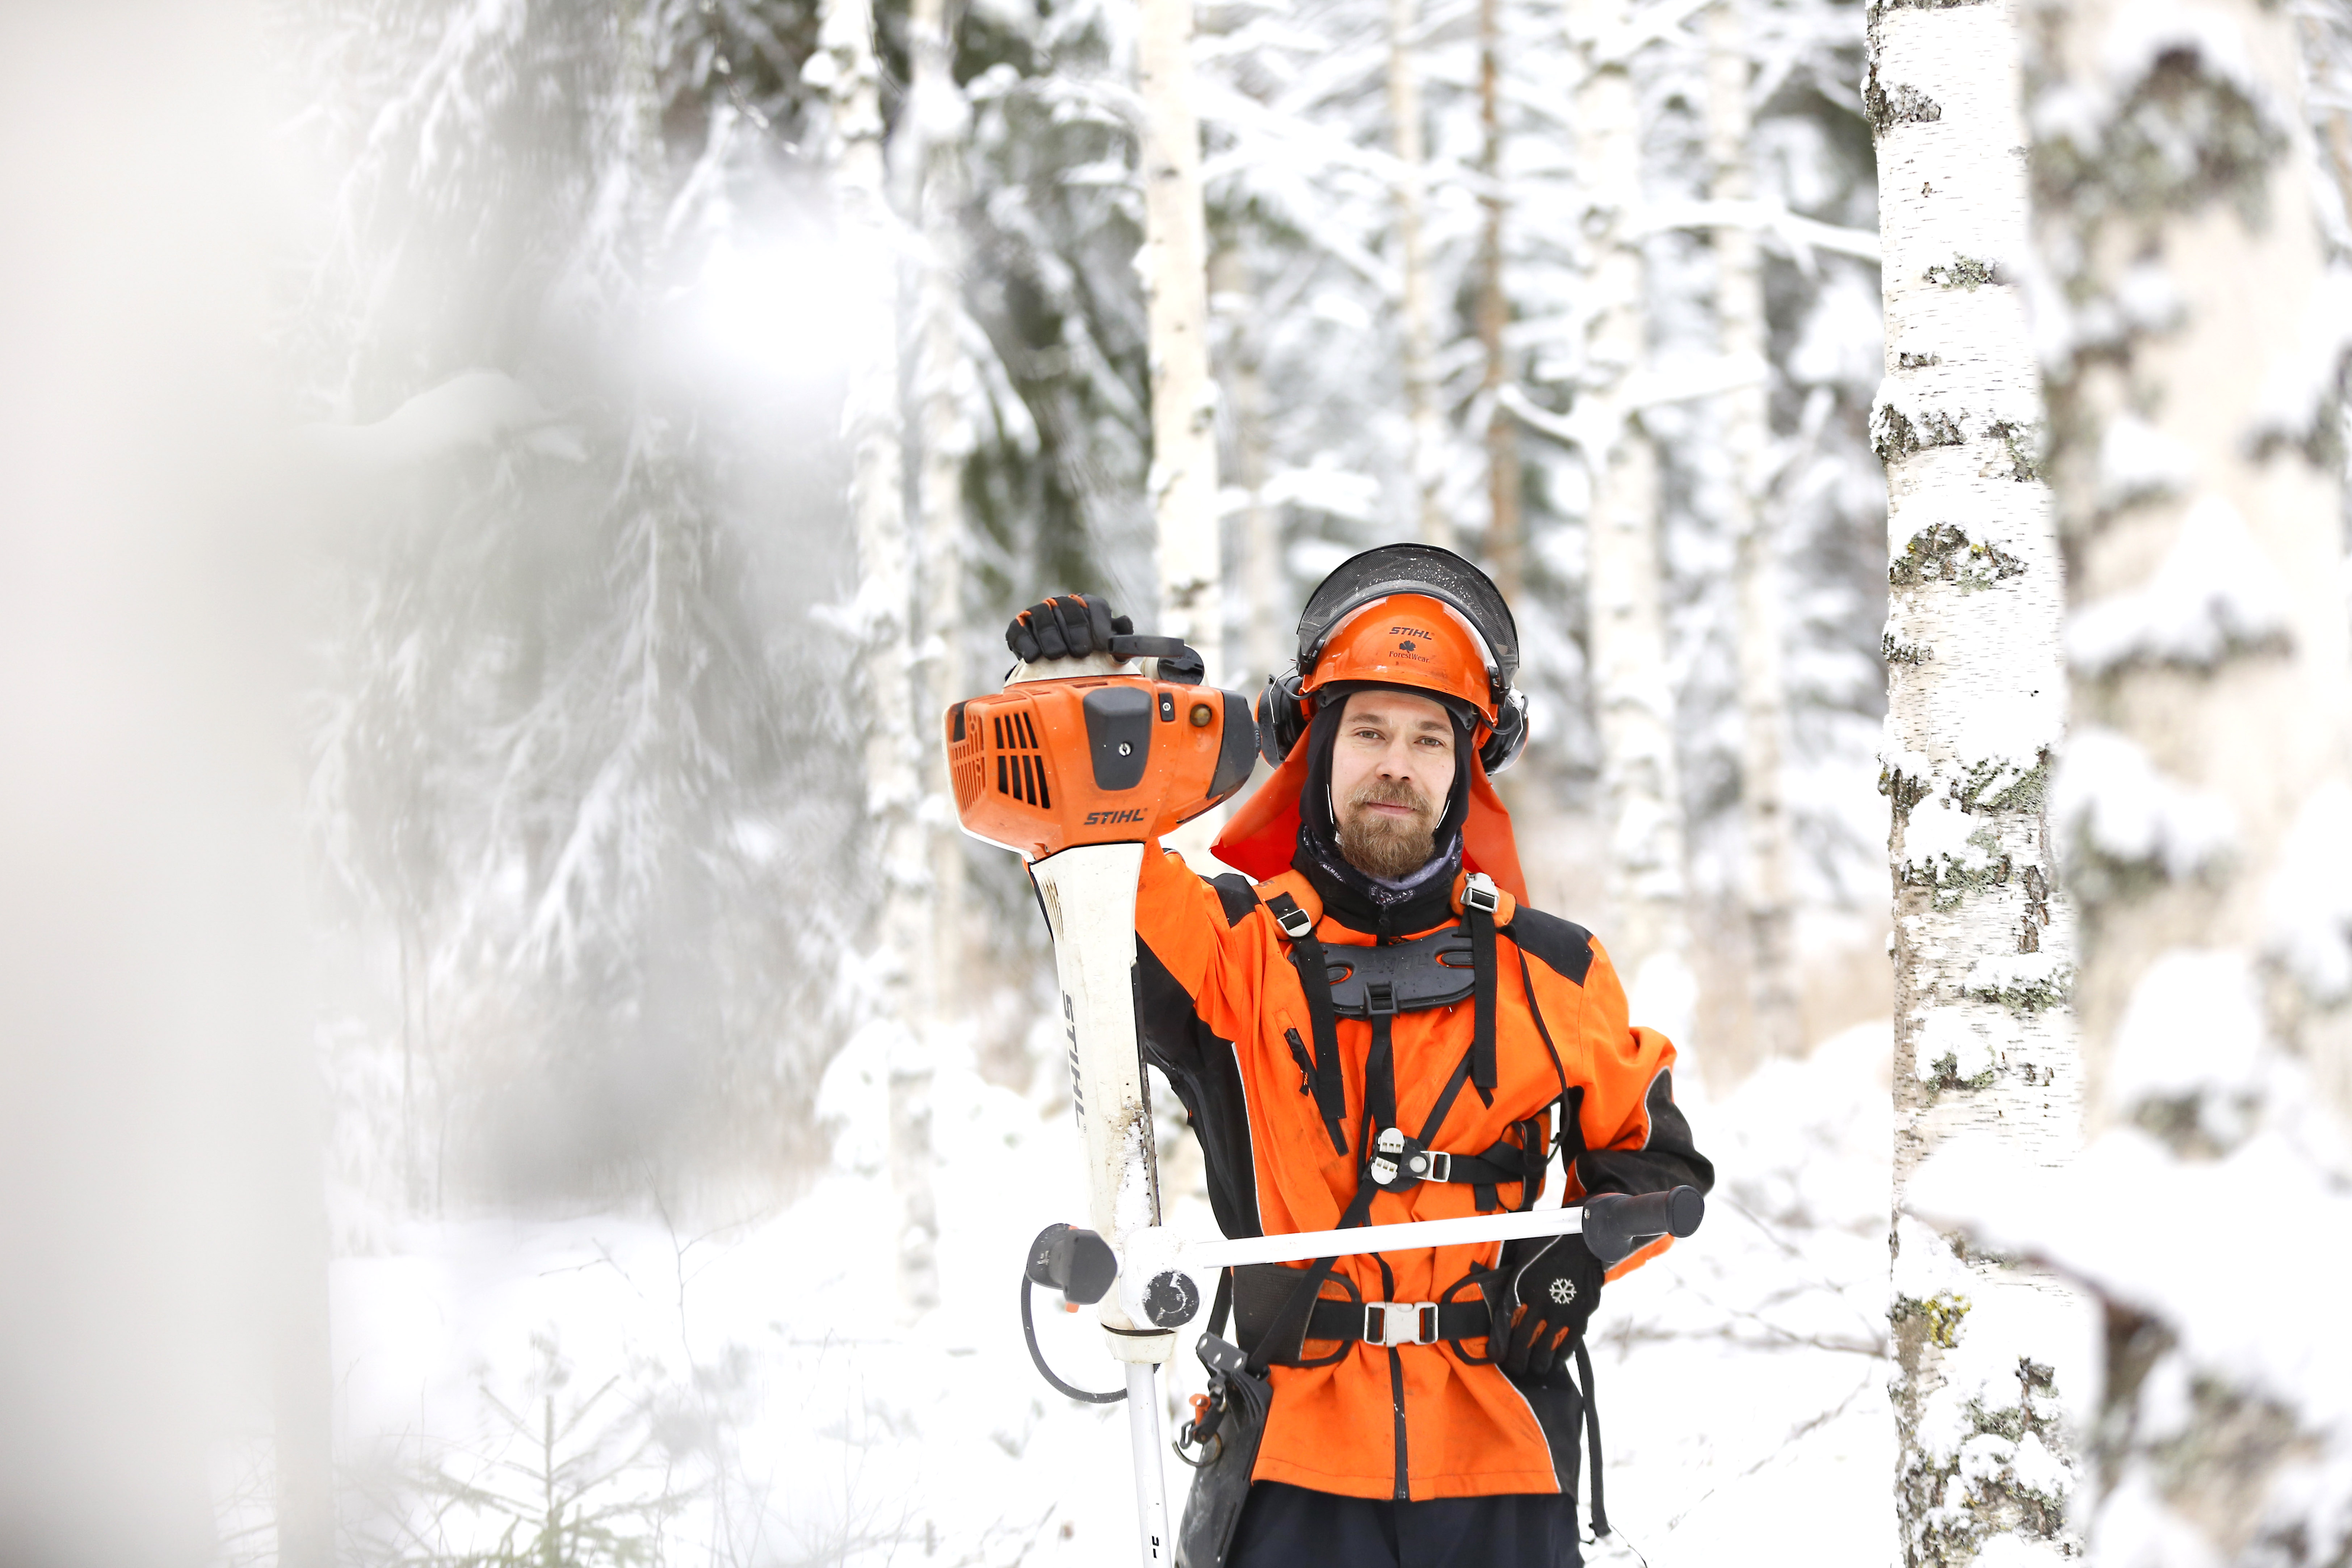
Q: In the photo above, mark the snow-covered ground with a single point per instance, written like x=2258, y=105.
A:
x=749, y=1396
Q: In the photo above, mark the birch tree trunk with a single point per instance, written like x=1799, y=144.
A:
x=1634, y=701
x=1745, y=432
x=1264, y=650
x=1175, y=282
x=2194, y=391
x=1419, y=323
x=937, y=121
x=1502, y=524
x=1983, y=1043
x=885, y=597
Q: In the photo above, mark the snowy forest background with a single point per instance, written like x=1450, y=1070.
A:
x=564, y=940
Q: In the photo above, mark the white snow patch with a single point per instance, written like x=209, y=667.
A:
x=2193, y=1025
x=2110, y=798
x=472, y=409
x=2215, y=590
x=2299, y=387
x=1945, y=1035
x=2141, y=34
x=1996, y=973
x=2137, y=461
x=1941, y=841
x=2119, y=1217
x=1324, y=485
x=2135, y=1529
x=2308, y=903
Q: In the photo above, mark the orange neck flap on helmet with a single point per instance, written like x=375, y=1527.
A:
x=1262, y=836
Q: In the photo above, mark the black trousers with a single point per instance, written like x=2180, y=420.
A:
x=1290, y=1527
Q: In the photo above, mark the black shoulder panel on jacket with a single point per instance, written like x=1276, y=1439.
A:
x=1208, y=1078
x=1233, y=892
x=1566, y=946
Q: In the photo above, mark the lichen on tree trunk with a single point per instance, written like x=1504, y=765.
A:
x=1975, y=697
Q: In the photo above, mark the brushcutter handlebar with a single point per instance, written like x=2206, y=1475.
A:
x=1160, y=1275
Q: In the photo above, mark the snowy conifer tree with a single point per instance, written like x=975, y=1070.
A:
x=1981, y=947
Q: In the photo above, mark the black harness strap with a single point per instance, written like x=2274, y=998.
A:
x=1315, y=978
x=1591, y=1437
x=1478, y=913
x=1535, y=1008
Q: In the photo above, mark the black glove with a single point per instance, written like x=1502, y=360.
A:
x=1553, y=1294
x=1068, y=626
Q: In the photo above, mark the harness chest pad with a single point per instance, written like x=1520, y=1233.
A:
x=1434, y=971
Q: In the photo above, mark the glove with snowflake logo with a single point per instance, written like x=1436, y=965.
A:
x=1551, y=1298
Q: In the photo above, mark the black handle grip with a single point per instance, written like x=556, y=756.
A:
x=1617, y=1224
x=1077, y=1263
x=1177, y=663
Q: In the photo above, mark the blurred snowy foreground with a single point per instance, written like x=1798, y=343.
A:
x=752, y=1396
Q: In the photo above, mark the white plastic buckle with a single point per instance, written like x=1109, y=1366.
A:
x=1479, y=893
x=1296, y=923
x=1388, y=1323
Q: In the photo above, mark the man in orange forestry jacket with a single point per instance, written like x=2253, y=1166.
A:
x=1379, y=1029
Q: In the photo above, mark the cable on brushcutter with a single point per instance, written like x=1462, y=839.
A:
x=1081, y=1265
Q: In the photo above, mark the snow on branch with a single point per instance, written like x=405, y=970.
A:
x=2214, y=595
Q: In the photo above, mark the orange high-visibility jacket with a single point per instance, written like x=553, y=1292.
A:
x=1217, y=998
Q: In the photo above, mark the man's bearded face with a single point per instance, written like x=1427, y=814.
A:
x=1391, y=768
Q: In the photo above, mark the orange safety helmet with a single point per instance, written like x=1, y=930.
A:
x=1408, y=640
x=1409, y=616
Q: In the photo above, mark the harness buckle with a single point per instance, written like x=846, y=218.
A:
x=1391, y=1323
x=1296, y=923
x=1432, y=1165
x=1479, y=893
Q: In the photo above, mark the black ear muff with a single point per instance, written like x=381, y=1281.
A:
x=1280, y=721
x=1509, y=739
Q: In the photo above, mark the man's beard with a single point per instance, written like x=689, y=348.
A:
x=1390, y=848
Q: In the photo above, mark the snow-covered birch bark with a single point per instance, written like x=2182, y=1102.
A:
x=937, y=121
x=1233, y=295
x=2193, y=345
x=1984, y=1042
x=1419, y=321
x=1745, y=433
x=846, y=68
x=1503, y=479
x=1631, y=696
x=1175, y=264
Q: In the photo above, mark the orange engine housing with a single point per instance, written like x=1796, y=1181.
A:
x=1096, y=759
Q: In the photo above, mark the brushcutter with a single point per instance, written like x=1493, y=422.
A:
x=1074, y=766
